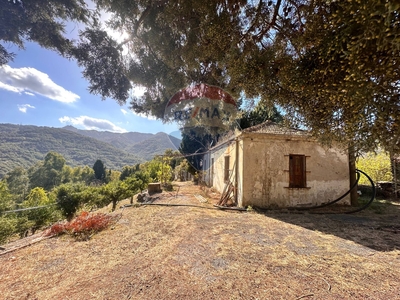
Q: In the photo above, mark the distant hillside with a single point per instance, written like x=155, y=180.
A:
x=143, y=145
x=155, y=145
x=24, y=145
x=121, y=141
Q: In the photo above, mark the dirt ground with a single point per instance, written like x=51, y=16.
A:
x=187, y=252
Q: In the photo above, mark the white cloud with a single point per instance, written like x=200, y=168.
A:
x=29, y=94
x=124, y=111
x=23, y=108
x=30, y=80
x=92, y=123
x=144, y=116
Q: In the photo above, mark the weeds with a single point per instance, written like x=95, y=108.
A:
x=83, y=226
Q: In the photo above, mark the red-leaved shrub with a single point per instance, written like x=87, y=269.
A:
x=83, y=226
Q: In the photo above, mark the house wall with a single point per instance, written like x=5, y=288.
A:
x=266, y=172
x=240, y=173
x=218, y=155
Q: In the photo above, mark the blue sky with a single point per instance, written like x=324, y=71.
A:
x=42, y=88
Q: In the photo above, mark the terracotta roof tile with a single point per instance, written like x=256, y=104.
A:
x=274, y=128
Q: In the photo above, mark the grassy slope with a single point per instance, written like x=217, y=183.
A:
x=157, y=252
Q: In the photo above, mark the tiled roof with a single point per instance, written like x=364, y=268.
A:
x=266, y=127
x=274, y=128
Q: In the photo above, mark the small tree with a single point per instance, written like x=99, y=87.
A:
x=6, y=202
x=158, y=170
x=128, y=171
x=48, y=173
x=137, y=183
x=69, y=199
x=181, y=169
x=143, y=179
x=376, y=165
x=115, y=191
x=39, y=216
x=18, y=183
x=7, y=228
x=92, y=197
x=99, y=170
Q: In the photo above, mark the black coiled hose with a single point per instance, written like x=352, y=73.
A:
x=358, y=172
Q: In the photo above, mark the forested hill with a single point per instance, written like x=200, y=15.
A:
x=155, y=145
x=143, y=145
x=122, y=141
x=24, y=145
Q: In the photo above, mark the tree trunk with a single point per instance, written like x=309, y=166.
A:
x=393, y=165
x=353, y=176
x=114, y=205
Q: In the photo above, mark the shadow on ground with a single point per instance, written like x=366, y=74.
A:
x=376, y=227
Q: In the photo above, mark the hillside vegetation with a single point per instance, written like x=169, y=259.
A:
x=24, y=145
x=122, y=141
x=143, y=145
x=156, y=145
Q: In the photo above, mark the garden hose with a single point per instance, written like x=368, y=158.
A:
x=358, y=172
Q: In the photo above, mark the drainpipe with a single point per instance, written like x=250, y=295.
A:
x=236, y=169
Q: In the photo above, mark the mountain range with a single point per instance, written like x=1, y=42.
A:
x=24, y=145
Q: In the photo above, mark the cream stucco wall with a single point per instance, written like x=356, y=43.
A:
x=218, y=155
x=266, y=177
x=262, y=164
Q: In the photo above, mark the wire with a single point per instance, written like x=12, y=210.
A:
x=28, y=208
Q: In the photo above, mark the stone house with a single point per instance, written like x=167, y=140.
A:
x=272, y=166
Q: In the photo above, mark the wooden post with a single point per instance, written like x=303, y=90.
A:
x=395, y=177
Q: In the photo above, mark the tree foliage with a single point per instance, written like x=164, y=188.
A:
x=332, y=65
x=18, y=183
x=39, y=21
x=41, y=216
x=99, y=170
x=47, y=174
x=259, y=114
x=376, y=165
x=7, y=228
x=138, y=181
x=115, y=191
x=69, y=199
x=193, y=145
x=5, y=197
x=128, y=171
x=158, y=170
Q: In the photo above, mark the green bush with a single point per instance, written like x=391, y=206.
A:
x=39, y=216
x=376, y=165
x=69, y=199
x=7, y=228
